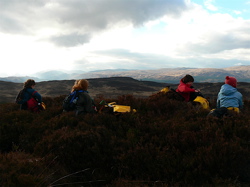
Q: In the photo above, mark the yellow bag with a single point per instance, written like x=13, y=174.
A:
x=235, y=109
x=165, y=90
x=120, y=108
x=204, y=103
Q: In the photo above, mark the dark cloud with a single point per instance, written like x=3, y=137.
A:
x=98, y=14
x=70, y=40
x=81, y=16
x=18, y=16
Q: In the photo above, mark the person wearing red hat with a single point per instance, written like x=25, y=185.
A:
x=229, y=97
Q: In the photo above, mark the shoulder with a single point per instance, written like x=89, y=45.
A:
x=239, y=94
x=30, y=90
x=82, y=91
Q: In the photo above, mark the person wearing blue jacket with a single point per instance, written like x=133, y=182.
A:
x=27, y=93
x=229, y=97
x=84, y=104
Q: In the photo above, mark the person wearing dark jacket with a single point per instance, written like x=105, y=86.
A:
x=27, y=93
x=85, y=103
x=186, y=90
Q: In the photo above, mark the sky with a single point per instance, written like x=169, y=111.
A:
x=89, y=35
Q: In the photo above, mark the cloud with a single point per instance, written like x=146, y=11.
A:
x=218, y=33
x=209, y=5
x=107, y=34
x=98, y=14
x=70, y=40
x=120, y=58
x=64, y=18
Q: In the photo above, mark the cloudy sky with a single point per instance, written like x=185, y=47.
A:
x=92, y=35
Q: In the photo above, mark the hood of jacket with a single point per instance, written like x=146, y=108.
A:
x=227, y=89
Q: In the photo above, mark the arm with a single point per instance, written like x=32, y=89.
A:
x=240, y=102
x=185, y=89
x=88, y=104
x=218, y=101
x=38, y=97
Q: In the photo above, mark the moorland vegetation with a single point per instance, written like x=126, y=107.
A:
x=165, y=143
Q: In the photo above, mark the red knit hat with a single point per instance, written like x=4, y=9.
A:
x=231, y=81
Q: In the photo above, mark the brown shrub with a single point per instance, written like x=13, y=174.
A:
x=166, y=140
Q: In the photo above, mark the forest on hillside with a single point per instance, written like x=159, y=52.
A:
x=166, y=142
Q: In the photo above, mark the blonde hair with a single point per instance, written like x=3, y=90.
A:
x=81, y=84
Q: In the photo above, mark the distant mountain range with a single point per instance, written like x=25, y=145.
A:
x=167, y=75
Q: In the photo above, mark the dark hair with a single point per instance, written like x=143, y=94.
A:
x=29, y=83
x=187, y=78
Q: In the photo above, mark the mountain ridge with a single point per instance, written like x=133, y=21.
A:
x=170, y=75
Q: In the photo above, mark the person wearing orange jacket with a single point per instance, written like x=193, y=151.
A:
x=186, y=90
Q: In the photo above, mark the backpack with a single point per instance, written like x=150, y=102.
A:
x=219, y=112
x=19, y=97
x=203, y=102
x=32, y=104
x=69, y=103
x=172, y=94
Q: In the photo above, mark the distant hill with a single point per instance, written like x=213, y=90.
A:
x=18, y=79
x=110, y=88
x=165, y=75
x=173, y=75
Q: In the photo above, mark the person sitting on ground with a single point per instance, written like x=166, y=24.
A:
x=85, y=103
x=228, y=96
x=27, y=93
x=186, y=90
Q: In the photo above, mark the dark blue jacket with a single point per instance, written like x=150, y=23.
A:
x=27, y=94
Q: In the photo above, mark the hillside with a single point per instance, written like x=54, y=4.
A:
x=110, y=88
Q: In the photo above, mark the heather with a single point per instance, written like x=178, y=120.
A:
x=165, y=143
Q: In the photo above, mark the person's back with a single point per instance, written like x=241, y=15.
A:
x=229, y=100
x=229, y=96
x=85, y=103
x=27, y=93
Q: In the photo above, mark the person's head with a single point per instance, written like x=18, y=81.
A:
x=81, y=84
x=231, y=81
x=188, y=79
x=76, y=81
x=29, y=83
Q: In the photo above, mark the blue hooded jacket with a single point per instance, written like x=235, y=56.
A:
x=229, y=97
